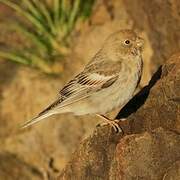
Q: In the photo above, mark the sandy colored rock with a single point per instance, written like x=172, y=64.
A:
x=11, y=167
x=173, y=172
x=145, y=156
x=93, y=157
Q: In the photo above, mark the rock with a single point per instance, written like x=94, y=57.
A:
x=93, y=157
x=11, y=167
x=151, y=143
x=173, y=172
x=145, y=156
x=104, y=155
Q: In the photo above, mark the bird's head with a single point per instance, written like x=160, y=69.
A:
x=123, y=44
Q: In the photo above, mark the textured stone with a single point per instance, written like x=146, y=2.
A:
x=145, y=156
x=173, y=172
x=11, y=167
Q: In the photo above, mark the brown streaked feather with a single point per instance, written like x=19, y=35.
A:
x=54, y=104
x=87, y=83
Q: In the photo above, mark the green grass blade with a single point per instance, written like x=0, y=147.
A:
x=27, y=59
x=65, y=9
x=47, y=29
x=38, y=62
x=32, y=8
x=73, y=14
x=32, y=36
x=26, y=14
x=56, y=11
x=15, y=57
x=47, y=15
x=32, y=19
x=62, y=9
x=86, y=8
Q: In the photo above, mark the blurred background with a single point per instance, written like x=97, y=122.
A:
x=43, y=43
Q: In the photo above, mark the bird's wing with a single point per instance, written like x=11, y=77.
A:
x=95, y=77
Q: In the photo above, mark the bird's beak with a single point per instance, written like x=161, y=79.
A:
x=140, y=42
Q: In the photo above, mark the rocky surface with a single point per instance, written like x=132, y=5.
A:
x=11, y=167
x=147, y=156
x=150, y=147
x=173, y=172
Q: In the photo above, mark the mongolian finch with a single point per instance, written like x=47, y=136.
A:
x=108, y=81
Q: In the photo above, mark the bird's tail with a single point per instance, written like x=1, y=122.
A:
x=50, y=110
x=37, y=119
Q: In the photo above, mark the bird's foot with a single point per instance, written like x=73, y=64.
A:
x=113, y=123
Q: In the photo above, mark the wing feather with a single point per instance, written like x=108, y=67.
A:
x=95, y=76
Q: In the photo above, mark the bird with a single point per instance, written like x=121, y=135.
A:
x=108, y=81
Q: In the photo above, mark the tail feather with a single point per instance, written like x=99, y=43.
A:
x=36, y=119
x=44, y=114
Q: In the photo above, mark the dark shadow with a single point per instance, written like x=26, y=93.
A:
x=139, y=99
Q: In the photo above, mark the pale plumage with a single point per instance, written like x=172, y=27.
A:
x=107, y=81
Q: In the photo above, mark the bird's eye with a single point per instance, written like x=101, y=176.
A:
x=127, y=42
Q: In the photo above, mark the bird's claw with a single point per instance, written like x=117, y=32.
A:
x=114, y=124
